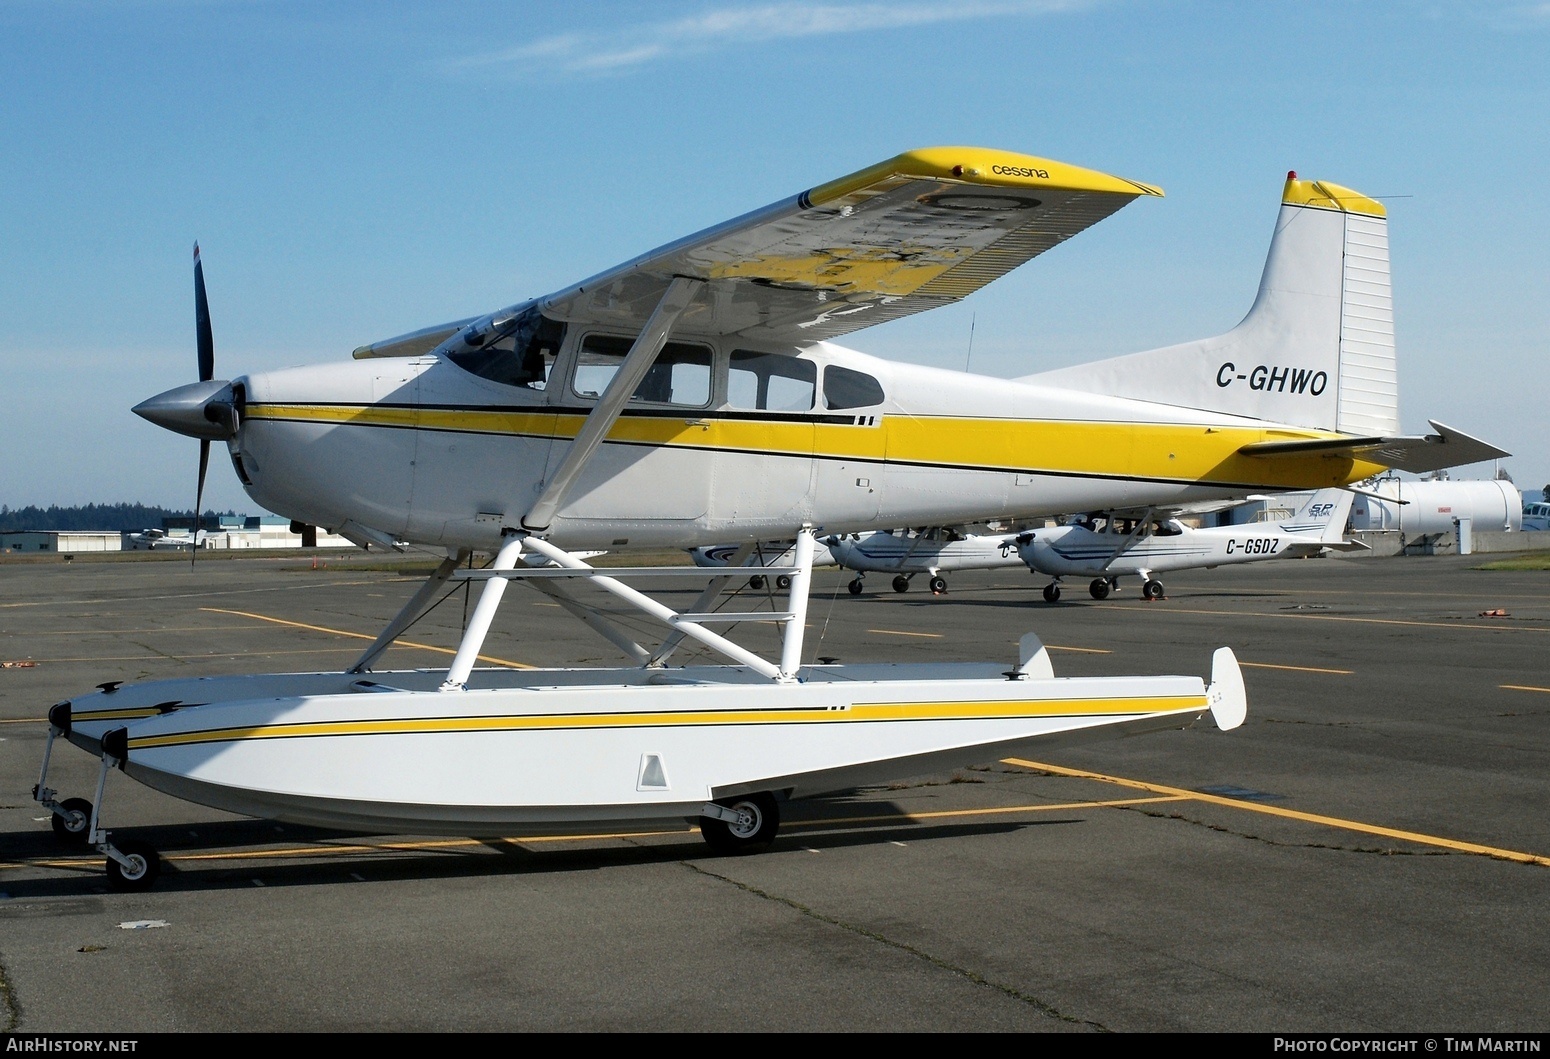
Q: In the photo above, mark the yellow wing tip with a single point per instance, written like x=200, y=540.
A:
x=1323, y=195
x=985, y=166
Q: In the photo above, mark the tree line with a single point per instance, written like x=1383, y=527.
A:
x=120, y=517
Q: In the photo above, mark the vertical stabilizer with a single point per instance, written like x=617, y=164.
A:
x=1325, y=514
x=1315, y=350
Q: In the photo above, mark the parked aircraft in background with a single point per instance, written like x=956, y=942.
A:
x=1109, y=545
x=763, y=553
x=932, y=551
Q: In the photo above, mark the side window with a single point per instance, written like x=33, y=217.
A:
x=680, y=375
x=771, y=381
x=522, y=355
x=844, y=388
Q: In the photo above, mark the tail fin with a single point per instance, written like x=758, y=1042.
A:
x=1325, y=513
x=1315, y=350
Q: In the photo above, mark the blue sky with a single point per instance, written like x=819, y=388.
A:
x=357, y=170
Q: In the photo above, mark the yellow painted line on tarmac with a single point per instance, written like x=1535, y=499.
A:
x=1291, y=814
x=1082, y=650
x=127, y=632
x=433, y=845
x=1298, y=669
x=363, y=636
x=901, y=632
x=1522, y=687
x=186, y=658
x=941, y=814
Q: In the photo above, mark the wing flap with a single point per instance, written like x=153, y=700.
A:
x=923, y=229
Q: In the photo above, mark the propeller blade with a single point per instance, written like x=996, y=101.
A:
x=199, y=496
x=202, y=326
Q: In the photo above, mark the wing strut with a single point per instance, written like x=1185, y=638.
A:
x=679, y=294
x=1130, y=538
x=411, y=612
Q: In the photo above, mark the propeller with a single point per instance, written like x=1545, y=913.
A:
x=206, y=346
x=205, y=409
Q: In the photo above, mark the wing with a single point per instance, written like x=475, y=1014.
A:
x=924, y=229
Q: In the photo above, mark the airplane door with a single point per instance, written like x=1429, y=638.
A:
x=657, y=461
x=763, y=437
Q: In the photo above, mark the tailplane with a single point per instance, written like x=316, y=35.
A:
x=1315, y=350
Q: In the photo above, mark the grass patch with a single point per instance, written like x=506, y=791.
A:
x=1534, y=561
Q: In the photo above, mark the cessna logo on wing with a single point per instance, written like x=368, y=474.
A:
x=1274, y=378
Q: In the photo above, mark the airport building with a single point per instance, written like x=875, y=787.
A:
x=50, y=542
x=235, y=532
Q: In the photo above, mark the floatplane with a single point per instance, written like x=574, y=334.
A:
x=693, y=396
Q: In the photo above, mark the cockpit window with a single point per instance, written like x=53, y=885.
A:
x=680, y=375
x=771, y=381
x=521, y=354
x=844, y=388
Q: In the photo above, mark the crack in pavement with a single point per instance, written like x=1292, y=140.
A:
x=1386, y=851
x=920, y=954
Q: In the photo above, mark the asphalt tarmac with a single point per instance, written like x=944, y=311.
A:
x=1369, y=853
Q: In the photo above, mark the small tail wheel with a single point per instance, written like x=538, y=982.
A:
x=1099, y=588
x=1052, y=593
x=783, y=582
x=855, y=586
x=753, y=833
x=1153, y=589
x=143, y=868
x=901, y=583
x=74, y=825
x=938, y=586
x=756, y=582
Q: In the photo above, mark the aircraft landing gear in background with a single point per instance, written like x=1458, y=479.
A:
x=756, y=582
x=783, y=582
x=753, y=831
x=1153, y=589
x=1099, y=589
x=1052, y=592
x=938, y=586
x=901, y=583
x=855, y=586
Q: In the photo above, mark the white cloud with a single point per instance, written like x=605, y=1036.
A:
x=716, y=28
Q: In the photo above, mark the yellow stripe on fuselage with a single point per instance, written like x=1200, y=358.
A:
x=870, y=712
x=1150, y=451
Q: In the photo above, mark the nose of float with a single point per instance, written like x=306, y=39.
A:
x=203, y=410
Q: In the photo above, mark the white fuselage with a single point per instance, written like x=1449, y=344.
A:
x=421, y=450
x=1072, y=551
x=932, y=553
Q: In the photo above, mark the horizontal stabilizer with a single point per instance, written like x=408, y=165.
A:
x=1228, y=700
x=1417, y=453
